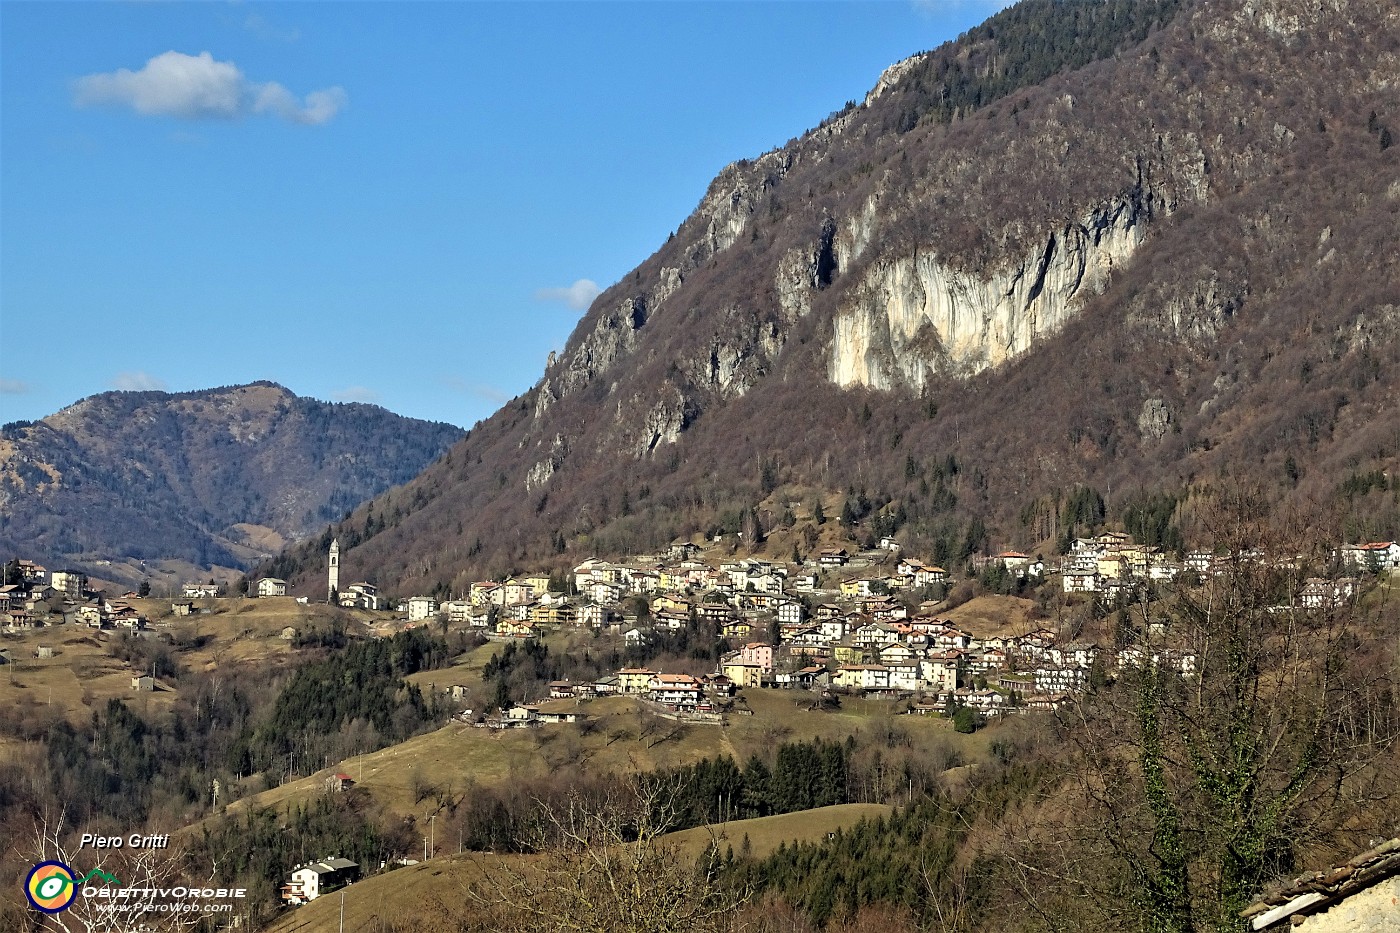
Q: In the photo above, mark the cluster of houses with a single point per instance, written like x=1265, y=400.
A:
x=856, y=634
x=739, y=597
x=355, y=596
x=1111, y=564
x=841, y=621
x=922, y=658
x=27, y=600
x=40, y=598
x=1375, y=556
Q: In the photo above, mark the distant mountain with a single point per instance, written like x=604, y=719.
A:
x=220, y=477
x=1081, y=264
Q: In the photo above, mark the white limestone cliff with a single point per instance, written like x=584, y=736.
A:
x=912, y=316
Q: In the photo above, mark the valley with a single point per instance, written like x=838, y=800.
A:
x=979, y=513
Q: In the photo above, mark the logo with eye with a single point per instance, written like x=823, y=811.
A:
x=51, y=887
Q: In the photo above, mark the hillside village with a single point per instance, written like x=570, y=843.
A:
x=867, y=622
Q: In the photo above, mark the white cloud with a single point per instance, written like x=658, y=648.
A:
x=355, y=394
x=138, y=381
x=320, y=106
x=13, y=386
x=197, y=87
x=577, y=296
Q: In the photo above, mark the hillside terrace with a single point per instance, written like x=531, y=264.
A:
x=846, y=629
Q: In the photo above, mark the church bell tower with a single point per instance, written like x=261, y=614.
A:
x=333, y=590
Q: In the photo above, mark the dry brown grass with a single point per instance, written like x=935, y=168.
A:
x=442, y=882
x=994, y=616
x=82, y=675
x=79, y=678
x=620, y=738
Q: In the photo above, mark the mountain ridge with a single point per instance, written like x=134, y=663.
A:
x=1196, y=220
x=210, y=477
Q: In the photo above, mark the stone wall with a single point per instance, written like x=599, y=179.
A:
x=1374, y=910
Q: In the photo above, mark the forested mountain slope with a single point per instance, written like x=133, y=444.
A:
x=216, y=477
x=1138, y=247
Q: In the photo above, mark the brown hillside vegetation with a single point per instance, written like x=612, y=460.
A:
x=220, y=477
x=1167, y=264
x=406, y=892
x=86, y=668
x=441, y=772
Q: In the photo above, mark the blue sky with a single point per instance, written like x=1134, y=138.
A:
x=399, y=203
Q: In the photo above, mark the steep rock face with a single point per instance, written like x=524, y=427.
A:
x=732, y=200
x=912, y=317
x=612, y=338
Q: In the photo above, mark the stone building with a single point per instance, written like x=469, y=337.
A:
x=1359, y=896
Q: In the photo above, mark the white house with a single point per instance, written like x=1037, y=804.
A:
x=485, y=593
x=863, y=677
x=1021, y=565
x=514, y=592
x=896, y=653
x=904, y=676
x=594, y=616
x=1383, y=555
x=875, y=633
x=308, y=882
x=1053, y=679
x=271, y=586
x=940, y=670
x=458, y=610
x=421, y=607
x=789, y=611
x=603, y=592
x=68, y=582
x=1324, y=594
x=679, y=690
x=832, y=630
x=360, y=596
x=1081, y=581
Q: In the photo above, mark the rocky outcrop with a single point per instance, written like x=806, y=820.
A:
x=912, y=316
x=891, y=76
x=732, y=200
x=1154, y=419
x=802, y=272
x=612, y=339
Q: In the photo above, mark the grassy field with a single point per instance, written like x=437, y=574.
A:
x=620, y=736
x=79, y=677
x=766, y=833
x=444, y=879
x=82, y=675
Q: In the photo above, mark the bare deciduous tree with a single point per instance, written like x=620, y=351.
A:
x=1248, y=733
x=605, y=867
